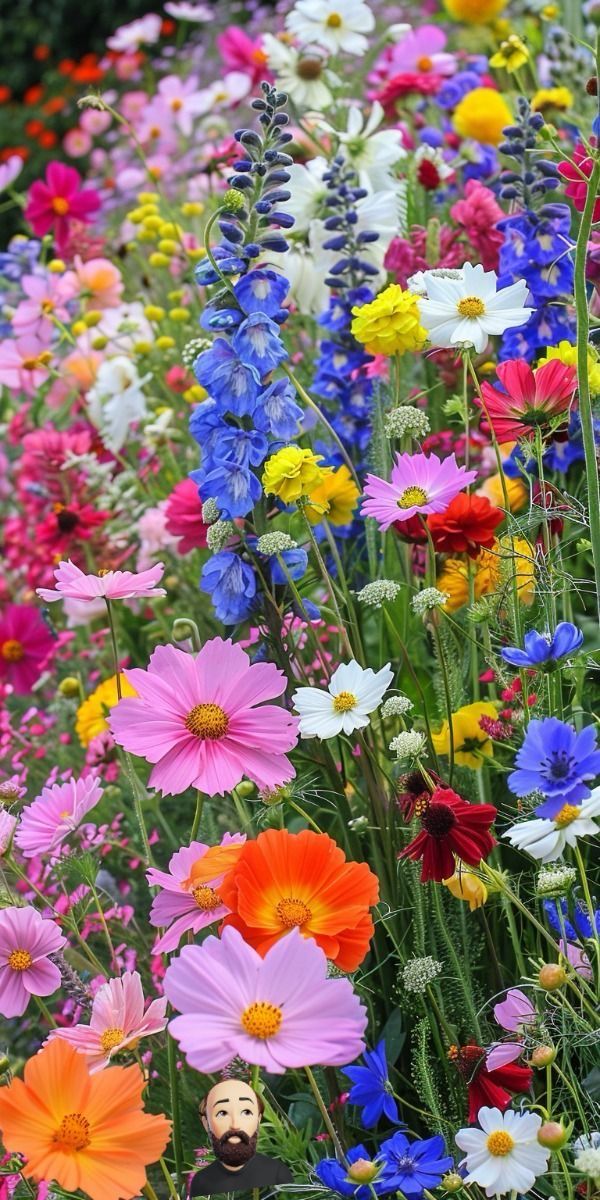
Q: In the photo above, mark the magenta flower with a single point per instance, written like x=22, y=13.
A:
x=54, y=814
x=186, y=901
x=117, y=1020
x=58, y=200
x=74, y=584
x=26, y=940
x=515, y=1012
x=276, y=1012
x=420, y=483
x=25, y=646
x=196, y=719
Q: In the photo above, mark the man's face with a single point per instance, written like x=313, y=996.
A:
x=232, y=1120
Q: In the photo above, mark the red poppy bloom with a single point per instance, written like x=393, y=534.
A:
x=493, y=1088
x=184, y=516
x=577, y=173
x=451, y=826
x=25, y=646
x=58, y=200
x=530, y=399
x=468, y=523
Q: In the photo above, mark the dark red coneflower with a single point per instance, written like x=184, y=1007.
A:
x=450, y=827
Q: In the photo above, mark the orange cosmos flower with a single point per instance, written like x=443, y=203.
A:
x=82, y=1131
x=283, y=880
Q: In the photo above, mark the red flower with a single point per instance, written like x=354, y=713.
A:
x=402, y=85
x=25, y=646
x=493, y=1088
x=467, y=524
x=451, y=826
x=57, y=201
x=412, y=531
x=68, y=525
x=578, y=172
x=530, y=399
x=184, y=516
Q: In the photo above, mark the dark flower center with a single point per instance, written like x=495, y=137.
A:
x=405, y=1164
x=438, y=820
x=66, y=520
x=559, y=764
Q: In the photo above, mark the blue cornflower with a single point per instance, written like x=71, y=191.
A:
x=258, y=344
x=371, y=1088
x=234, y=487
x=261, y=291
x=412, y=1166
x=556, y=760
x=228, y=377
x=580, y=927
x=332, y=1174
x=276, y=411
x=543, y=652
x=231, y=583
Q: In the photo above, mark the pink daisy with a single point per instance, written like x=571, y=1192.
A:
x=117, y=1020
x=26, y=940
x=74, y=584
x=515, y=1012
x=196, y=718
x=276, y=1012
x=25, y=646
x=54, y=814
x=420, y=483
x=188, y=899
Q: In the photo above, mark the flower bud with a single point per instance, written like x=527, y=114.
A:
x=542, y=1056
x=452, y=1182
x=4, y=1064
x=553, y=1135
x=233, y=201
x=245, y=788
x=69, y=687
x=362, y=1171
x=552, y=976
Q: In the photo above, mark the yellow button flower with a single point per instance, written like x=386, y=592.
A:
x=391, y=323
x=90, y=719
x=482, y=115
x=567, y=353
x=511, y=54
x=471, y=742
x=474, y=12
x=293, y=472
x=463, y=885
x=335, y=498
x=556, y=97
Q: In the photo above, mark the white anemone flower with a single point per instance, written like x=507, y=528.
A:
x=302, y=75
x=116, y=400
x=545, y=839
x=371, y=151
x=353, y=693
x=467, y=311
x=334, y=24
x=504, y=1155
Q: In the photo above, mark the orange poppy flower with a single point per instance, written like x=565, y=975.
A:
x=282, y=880
x=82, y=1131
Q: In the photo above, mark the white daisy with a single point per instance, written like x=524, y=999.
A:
x=504, y=1155
x=353, y=693
x=301, y=75
x=545, y=839
x=334, y=24
x=372, y=151
x=466, y=311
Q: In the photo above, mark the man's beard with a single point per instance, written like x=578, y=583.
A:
x=234, y=1154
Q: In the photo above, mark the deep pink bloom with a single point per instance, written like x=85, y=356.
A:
x=405, y=256
x=184, y=903
x=117, y=1020
x=184, y=516
x=279, y=1012
x=197, y=719
x=55, y=202
x=241, y=53
x=478, y=212
x=530, y=399
x=73, y=584
x=419, y=483
x=26, y=940
x=578, y=173
x=26, y=644
x=54, y=814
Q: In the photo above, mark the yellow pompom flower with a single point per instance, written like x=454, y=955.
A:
x=516, y=492
x=482, y=115
x=463, y=885
x=474, y=12
x=511, y=54
x=454, y=580
x=511, y=558
x=293, y=472
x=90, y=719
x=391, y=323
x=567, y=353
x=335, y=498
x=471, y=742
x=556, y=97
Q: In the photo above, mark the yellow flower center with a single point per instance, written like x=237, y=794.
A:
x=206, y=898
x=424, y=63
x=73, y=1132
x=471, y=306
x=261, y=1019
x=500, y=1143
x=20, y=960
x=333, y=21
x=293, y=912
x=111, y=1038
x=60, y=206
x=207, y=721
x=12, y=650
x=343, y=702
x=568, y=813
x=47, y=306
x=176, y=104
x=410, y=496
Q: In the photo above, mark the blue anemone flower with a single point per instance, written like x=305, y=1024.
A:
x=371, y=1088
x=579, y=927
x=332, y=1174
x=412, y=1166
x=543, y=652
x=558, y=761
x=276, y=410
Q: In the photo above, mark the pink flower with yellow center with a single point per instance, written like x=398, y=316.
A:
x=419, y=483
x=54, y=814
x=118, y=1021
x=188, y=898
x=26, y=941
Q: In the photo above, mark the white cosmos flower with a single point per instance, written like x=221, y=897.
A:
x=353, y=693
x=466, y=311
x=301, y=75
x=335, y=24
x=545, y=839
x=116, y=400
x=372, y=151
x=504, y=1155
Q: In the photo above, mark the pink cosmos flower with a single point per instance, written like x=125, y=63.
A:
x=419, y=483
x=26, y=940
x=241, y=53
x=45, y=298
x=97, y=283
x=26, y=644
x=279, y=1012
x=117, y=1020
x=577, y=958
x=515, y=1012
x=21, y=368
x=7, y=828
x=141, y=32
x=184, y=516
x=183, y=98
x=188, y=900
x=531, y=397
x=196, y=718
x=54, y=814
x=58, y=200
x=74, y=584
x=9, y=171
x=577, y=174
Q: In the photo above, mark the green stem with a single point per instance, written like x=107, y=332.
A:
x=329, y=585
x=339, y=1153
x=197, y=815
x=175, y=1110
x=308, y=400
